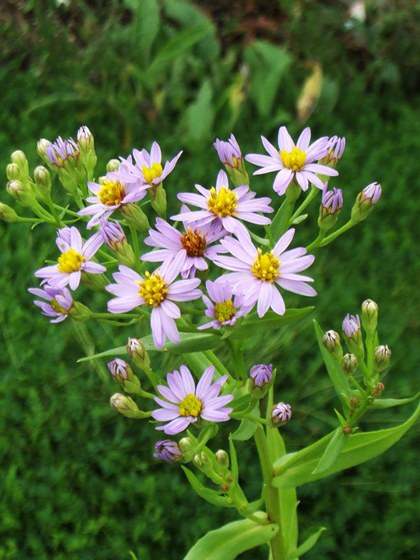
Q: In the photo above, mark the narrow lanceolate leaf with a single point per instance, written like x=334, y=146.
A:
x=113, y=352
x=334, y=448
x=388, y=403
x=279, y=223
x=210, y=496
x=228, y=542
x=271, y=321
x=296, y=469
x=306, y=546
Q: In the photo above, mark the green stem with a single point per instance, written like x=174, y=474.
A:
x=357, y=385
x=314, y=191
x=136, y=247
x=260, y=240
x=287, y=221
x=211, y=356
x=69, y=212
x=237, y=359
x=334, y=235
x=269, y=236
x=272, y=495
x=54, y=213
x=317, y=241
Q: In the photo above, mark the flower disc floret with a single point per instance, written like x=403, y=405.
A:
x=152, y=173
x=224, y=311
x=153, y=289
x=70, y=261
x=193, y=242
x=190, y=406
x=111, y=193
x=294, y=160
x=266, y=266
x=222, y=203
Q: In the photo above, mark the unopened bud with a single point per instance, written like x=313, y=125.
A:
x=331, y=205
x=13, y=172
x=137, y=351
x=158, y=198
x=369, y=315
x=281, y=414
x=347, y=430
x=206, y=463
x=331, y=341
x=17, y=191
x=7, y=214
x=365, y=202
x=20, y=160
x=96, y=282
x=113, y=165
x=120, y=370
x=135, y=217
x=186, y=445
x=260, y=377
x=126, y=406
x=41, y=148
x=378, y=390
x=43, y=180
x=353, y=334
x=167, y=450
x=349, y=363
x=231, y=156
x=382, y=358
x=85, y=138
x=80, y=312
x=354, y=402
x=222, y=459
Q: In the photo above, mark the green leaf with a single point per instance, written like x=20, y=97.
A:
x=113, y=352
x=306, y=546
x=296, y=469
x=147, y=24
x=270, y=321
x=233, y=460
x=300, y=219
x=210, y=496
x=200, y=115
x=231, y=540
x=246, y=428
x=279, y=223
x=334, y=448
x=133, y=556
x=388, y=403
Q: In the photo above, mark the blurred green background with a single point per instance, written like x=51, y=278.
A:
x=79, y=482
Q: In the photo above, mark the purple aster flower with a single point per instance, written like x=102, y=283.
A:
x=158, y=291
x=351, y=326
x=365, y=202
x=224, y=206
x=229, y=152
x=148, y=167
x=193, y=244
x=331, y=205
x=112, y=233
x=372, y=193
x=58, y=302
x=74, y=260
x=335, y=150
x=110, y=195
x=281, y=414
x=120, y=369
x=261, y=375
x=59, y=151
x=167, y=450
x=226, y=309
x=256, y=273
x=293, y=161
x=186, y=404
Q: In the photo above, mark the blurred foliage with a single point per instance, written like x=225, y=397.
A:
x=78, y=481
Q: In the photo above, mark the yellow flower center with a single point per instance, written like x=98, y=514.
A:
x=294, y=160
x=224, y=311
x=235, y=161
x=71, y=261
x=194, y=243
x=151, y=173
x=222, y=203
x=153, y=289
x=111, y=193
x=190, y=406
x=57, y=307
x=266, y=266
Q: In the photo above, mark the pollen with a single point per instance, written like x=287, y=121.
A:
x=111, y=193
x=194, y=243
x=224, y=311
x=153, y=289
x=70, y=261
x=222, y=203
x=150, y=173
x=294, y=160
x=190, y=406
x=266, y=266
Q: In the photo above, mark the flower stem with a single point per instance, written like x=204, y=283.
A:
x=237, y=359
x=334, y=235
x=317, y=242
x=314, y=191
x=211, y=356
x=136, y=248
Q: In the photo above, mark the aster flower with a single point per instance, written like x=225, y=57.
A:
x=74, y=260
x=120, y=370
x=112, y=233
x=147, y=168
x=221, y=205
x=229, y=152
x=167, y=450
x=281, y=414
x=365, y=202
x=351, y=326
x=193, y=244
x=58, y=302
x=157, y=291
x=331, y=205
x=110, y=195
x=256, y=273
x=261, y=375
x=186, y=403
x=293, y=161
x=59, y=151
x=335, y=150
x=226, y=309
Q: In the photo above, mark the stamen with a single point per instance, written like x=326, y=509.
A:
x=224, y=311
x=294, y=160
x=71, y=261
x=222, y=203
x=194, y=243
x=111, y=193
x=151, y=173
x=153, y=289
x=190, y=406
x=266, y=266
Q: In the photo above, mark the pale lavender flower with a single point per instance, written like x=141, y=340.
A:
x=332, y=201
x=185, y=403
x=335, y=150
x=148, y=167
x=119, y=369
x=112, y=233
x=372, y=193
x=293, y=161
x=281, y=413
x=58, y=302
x=351, y=326
x=158, y=291
x=255, y=273
x=225, y=206
x=229, y=152
x=226, y=309
x=110, y=195
x=74, y=260
x=261, y=375
x=59, y=151
x=193, y=244
x=167, y=450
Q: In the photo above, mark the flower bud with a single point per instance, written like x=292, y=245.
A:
x=369, y=315
x=353, y=334
x=114, y=236
x=281, y=414
x=349, y=363
x=7, y=214
x=120, y=371
x=20, y=160
x=365, y=202
x=43, y=181
x=231, y=156
x=137, y=351
x=354, y=402
x=80, y=312
x=206, y=465
x=135, y=217
x=13, y=172
x=126, y=406
x=85, y=139
x=95, y=282
x=167, y=450
x=113, y=165
x=378, y=390
x=23, y=196
x=222, y=459
x=186, y=445
x=331, y=205
x=381, y=358
x=331, y=341
x=158, y=198
x=41, y=148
